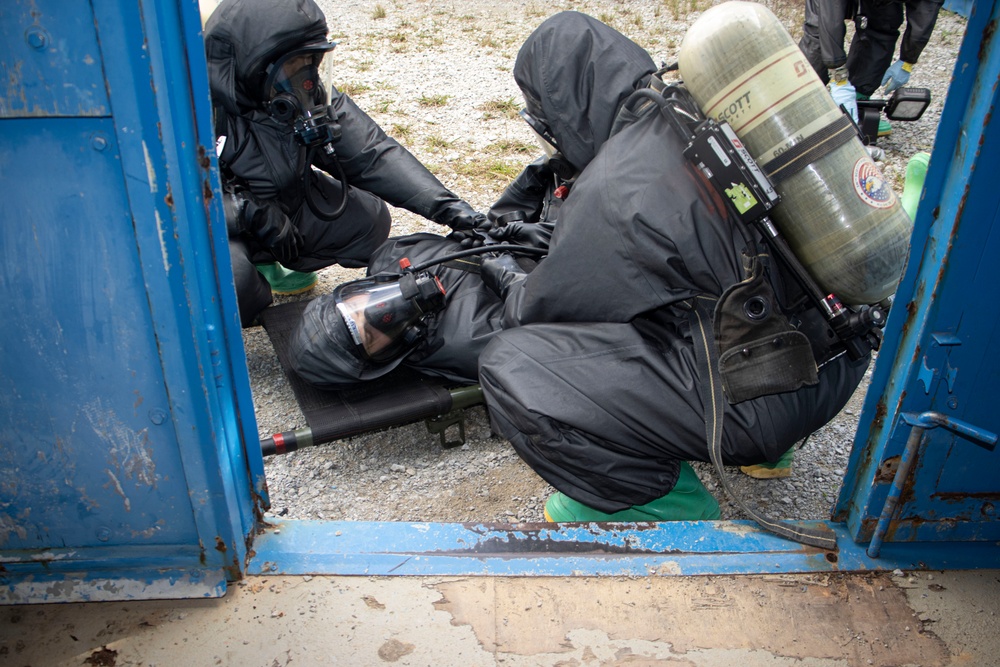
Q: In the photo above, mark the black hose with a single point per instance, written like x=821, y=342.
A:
x=314, y=206
x=498, y=247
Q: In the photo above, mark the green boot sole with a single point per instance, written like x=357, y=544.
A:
x=689, y=500
x=777, y=470
x=285, y=281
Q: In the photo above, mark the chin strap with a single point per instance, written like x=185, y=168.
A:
x=714, y=400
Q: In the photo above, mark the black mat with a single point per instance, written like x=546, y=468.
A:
x=398, y=398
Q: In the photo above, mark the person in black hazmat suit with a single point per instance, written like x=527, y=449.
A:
x=868, y=64
x=323, y=349
x=594, y=378
x=287, y=153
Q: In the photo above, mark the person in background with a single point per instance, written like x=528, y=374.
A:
x=868, y=65
x=306, y=173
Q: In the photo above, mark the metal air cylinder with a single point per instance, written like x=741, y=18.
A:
x=839, y=215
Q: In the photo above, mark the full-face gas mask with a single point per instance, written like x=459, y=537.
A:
x=384, y=314
x=294, y=94
x=556, y=161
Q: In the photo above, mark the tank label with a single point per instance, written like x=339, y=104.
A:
x=764, y=90
x=871, y=186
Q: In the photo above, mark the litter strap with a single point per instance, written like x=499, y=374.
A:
x=714, y=399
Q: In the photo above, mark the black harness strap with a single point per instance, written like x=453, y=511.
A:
x=714, y=399
x=816, y=146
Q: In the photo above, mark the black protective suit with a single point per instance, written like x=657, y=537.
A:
x=264, y=164
x=877, y=24
x=322, y=354
x=456, y=335
x=594, y=379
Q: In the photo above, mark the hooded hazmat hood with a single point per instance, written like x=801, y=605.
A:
x=242, y=37
x=575, y=72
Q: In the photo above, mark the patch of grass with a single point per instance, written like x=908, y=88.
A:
x=489, y=42
x=378, y=12
x=533, y=11
x=430, y=40
x=508, y=107
x=354, y=89
x=397, y=37
x=401, y=131
x=365, y=65
x=483, y=172
x=438, y=143
x=507, y=146
x=433, y=100
x=383, y=106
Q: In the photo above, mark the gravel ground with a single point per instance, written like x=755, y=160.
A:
x=437, y=75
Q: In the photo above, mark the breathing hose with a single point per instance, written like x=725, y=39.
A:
x=307, y=177
x=498, y=247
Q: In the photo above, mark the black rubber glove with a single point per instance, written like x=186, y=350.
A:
x=534, y=234
x=500, y=273
x=467, y=239
x=266, y=222
x=461, y=217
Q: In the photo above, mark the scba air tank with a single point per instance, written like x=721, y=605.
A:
x=839, y=215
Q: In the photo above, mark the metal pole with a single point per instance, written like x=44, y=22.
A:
x=921, y=423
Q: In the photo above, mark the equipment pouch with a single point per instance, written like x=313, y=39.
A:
x=760, y=352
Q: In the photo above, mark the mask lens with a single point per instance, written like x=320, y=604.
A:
x=381, y=313
x=297, y=76
x=326, y=74
x=547, y=148
x=540, y=129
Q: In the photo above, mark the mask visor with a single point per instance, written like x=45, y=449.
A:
x=296, y=76
x=383, y=313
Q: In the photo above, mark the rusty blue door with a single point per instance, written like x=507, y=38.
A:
x=927, y=437
x=122, y=468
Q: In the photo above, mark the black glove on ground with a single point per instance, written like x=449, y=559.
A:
x=273, y=229
x=534, y=234
x=500, y=273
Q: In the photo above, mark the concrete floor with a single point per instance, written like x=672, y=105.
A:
x=929, y=619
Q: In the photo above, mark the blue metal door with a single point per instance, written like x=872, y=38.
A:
x=939, y=371
x=122, y=468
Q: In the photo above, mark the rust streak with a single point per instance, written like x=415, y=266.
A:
x=952, y=496
x=988, y=33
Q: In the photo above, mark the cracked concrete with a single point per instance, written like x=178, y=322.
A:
x=926, y=619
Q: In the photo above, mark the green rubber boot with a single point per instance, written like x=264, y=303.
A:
x=286, y=281
x=913, y=185
x=780, y=468
x=884, y=127
x=689, y=500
